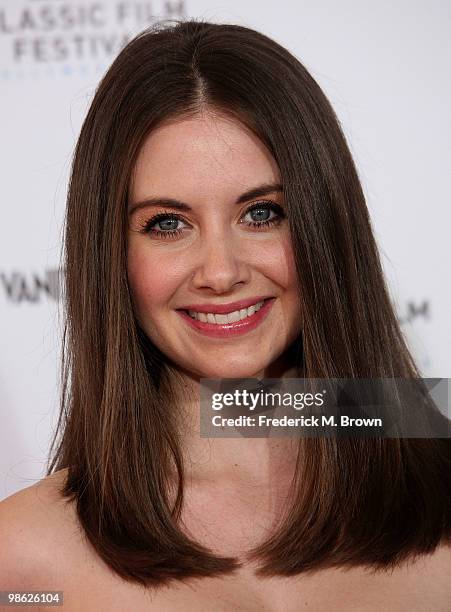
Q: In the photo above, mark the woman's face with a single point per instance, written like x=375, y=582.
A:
x=214, y=244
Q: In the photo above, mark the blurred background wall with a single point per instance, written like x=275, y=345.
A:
x=385, y=68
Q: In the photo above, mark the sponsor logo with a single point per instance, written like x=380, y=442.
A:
x=34, y=288
x=415, y=310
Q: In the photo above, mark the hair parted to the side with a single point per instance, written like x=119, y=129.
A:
x=356, y=501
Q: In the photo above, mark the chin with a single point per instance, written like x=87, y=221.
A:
x=243, y=371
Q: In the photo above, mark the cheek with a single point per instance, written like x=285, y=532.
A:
x=292, y=277
x=277, y=259
x=152, y=282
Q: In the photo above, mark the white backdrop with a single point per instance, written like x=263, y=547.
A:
x=385, y=68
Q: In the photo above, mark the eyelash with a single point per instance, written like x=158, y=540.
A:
x=272, y=206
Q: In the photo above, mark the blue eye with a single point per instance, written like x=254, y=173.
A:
x=167, y=225
x=261, y=214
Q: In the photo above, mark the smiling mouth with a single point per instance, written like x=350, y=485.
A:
x=231, y=317
x=228, y=325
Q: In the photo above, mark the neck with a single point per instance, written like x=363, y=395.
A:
x=268, y=462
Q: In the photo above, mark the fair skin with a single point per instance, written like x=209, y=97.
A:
x=217, y=257
x=235, y=487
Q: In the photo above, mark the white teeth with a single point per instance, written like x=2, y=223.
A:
x=231, y=317
x=221, y=318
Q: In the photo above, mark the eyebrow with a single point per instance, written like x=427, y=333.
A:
x=255, y=192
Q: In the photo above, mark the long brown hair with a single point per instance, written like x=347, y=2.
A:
x=356, y=501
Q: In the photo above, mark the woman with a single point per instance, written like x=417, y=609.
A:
x=211, y=177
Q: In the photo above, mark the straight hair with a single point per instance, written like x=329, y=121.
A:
x=372, y=502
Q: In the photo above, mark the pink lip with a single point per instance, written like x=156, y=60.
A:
x=225, y=308
x=228, y=329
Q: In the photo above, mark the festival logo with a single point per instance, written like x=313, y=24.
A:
x=62, y=37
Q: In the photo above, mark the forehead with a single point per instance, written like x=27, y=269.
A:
x=196, y=156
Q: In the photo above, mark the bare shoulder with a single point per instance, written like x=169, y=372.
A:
x=36, y=526
x=439, y=564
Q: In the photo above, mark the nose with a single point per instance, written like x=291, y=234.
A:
x=220, y=264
